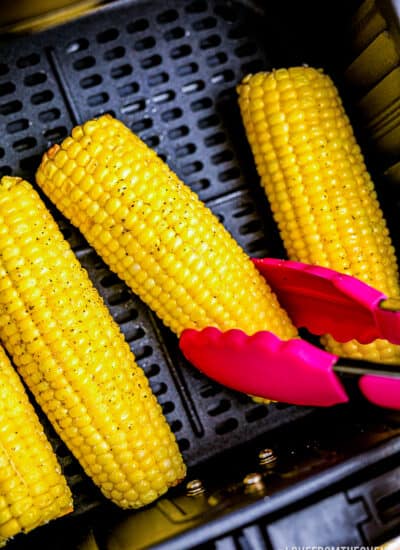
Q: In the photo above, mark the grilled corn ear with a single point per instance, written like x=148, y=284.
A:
x=32, y=489
x=74, y=358
x=155, y=233
x=320, y=192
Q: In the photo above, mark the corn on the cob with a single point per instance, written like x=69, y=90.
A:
x=321, y=194
x=32, y=489
x=74, y=358
x=155, y=233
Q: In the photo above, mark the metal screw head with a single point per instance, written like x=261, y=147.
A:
x=253, y=479
x=194, y=488
x=254, y=483
x=267, y=458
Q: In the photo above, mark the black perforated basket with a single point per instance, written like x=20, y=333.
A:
x=169, y=71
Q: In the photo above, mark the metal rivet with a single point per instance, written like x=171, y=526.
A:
x=267, y=458
x=194, y=488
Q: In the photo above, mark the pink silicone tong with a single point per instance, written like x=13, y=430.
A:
x=323, y=301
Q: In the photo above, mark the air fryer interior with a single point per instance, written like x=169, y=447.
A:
x=169, y=71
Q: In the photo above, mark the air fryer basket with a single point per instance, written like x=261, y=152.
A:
x=169, y=70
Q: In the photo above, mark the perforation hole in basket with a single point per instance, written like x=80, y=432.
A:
x=223, y=76
x=141, y=125
x=200, y=185
x=121, y=71
x=2, y=152
x=145, y=43
x=49, y=115
x=143, y=353
x=160, y=389
x=176, y=426
x=128, y=89
x=171, y=114
x=151, y=61
x=107, y=36
x=123, y=316
x=250, y=227
x=209, y=390
x=17, y=125
x=204, y=24
x=208, y=121
x=183, y=50
x=257, y=413
x=192, y=168
x=185, y=150
x=245, y=210
x=118, y=298
x=174, y=34
x=215, y=139
x=55, y=135
x=133, y=333
x=114, y=53
x=78, y=45
x=216, y=59
x=133, y=107
x=227, y=426
x=151, y=141
x=28, y=60
x=220, y=407
x=152, y=370
x=10, y=107
x=157, y=79
x=4, y=69
x=90, y=81
x=197, y=6
x=42, y=97
x=184, y=444
x=139, y=25
x=223, y=156
x=7, y=88
x=34, y=79
x=110, y=280
x=228, y=175
x=211, y=41
x=193, y=87
x=178, y=132
x=24, y=144
x=164, y=97
x=201, y=104
x=168, y=407
x=84, y=63
x=187, y=69
x=97, y=99
x=167, y=16
x=256, y=246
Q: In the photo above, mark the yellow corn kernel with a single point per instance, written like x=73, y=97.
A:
x=24, y=449
x=320, y=192
x=169, y=248
x=73, y=356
